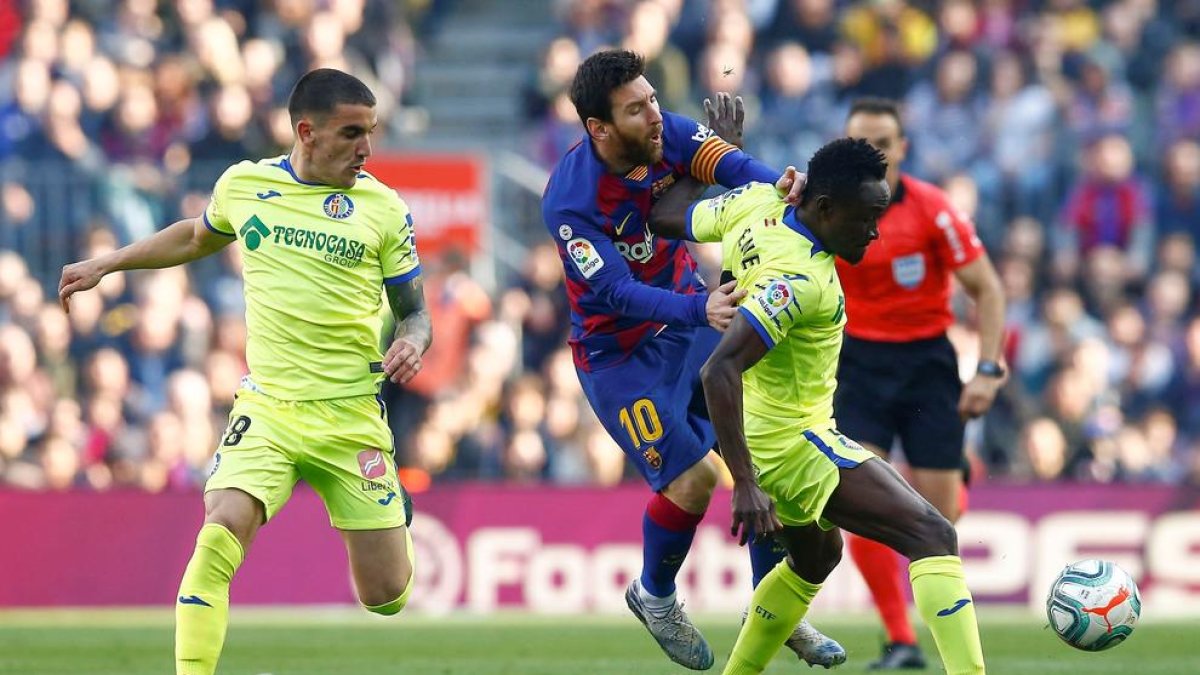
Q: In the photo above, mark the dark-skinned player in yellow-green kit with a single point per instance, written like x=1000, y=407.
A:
x=769, y=385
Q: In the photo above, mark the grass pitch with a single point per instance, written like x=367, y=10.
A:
x=305, y=641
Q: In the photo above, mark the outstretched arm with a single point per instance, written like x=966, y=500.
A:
x=671, y=214
x=739, y=349
x=414, y=332
x=669, y=217
x=982, y=283
x=181, y=242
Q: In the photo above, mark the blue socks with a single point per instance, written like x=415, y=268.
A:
x=765, y=554
x=667, y=533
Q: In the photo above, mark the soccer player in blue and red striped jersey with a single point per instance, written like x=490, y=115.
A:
x=642, y=321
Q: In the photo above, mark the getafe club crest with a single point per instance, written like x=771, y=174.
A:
x=339, y=206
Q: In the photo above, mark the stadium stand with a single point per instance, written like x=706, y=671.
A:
x=1068, y=129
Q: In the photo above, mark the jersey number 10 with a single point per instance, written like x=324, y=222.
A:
x=641, y=422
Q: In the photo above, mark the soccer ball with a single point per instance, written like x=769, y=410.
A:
x=1093, y=605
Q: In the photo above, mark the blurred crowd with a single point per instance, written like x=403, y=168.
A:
x=1067, y=128
x=142, y=103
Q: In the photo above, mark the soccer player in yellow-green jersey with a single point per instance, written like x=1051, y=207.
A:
x=323, y=243
x=769, y=386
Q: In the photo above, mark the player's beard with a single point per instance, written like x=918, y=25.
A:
x=640, y=151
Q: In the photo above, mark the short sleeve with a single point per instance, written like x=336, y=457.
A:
x=775, y=304
x=215, y=217
x=398, y=251
x=955, y=239
x=709, y=219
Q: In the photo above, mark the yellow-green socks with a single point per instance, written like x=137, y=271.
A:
x=941, y=595
x=202, y=608
x=779, y=602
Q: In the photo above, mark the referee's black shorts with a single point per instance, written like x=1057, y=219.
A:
x=905, y=390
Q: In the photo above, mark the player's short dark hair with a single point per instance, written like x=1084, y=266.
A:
x=873, y=105
x=598, y=76
x=323, y=89
x=840, y=167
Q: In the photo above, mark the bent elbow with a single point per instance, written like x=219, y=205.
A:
x=711, y=373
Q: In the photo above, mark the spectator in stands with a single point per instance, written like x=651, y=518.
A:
x=1178, y=204
x=1043, y=449
x=230, y=137
x=798, y=111
x=1178, y=104
x=666, y=64
x=811, y=23
x=1168, y=297
x=1109, y=207
x=1018, y=139
x=1101, y=104
x=945, y=116
x=538, y=303
x=21, y=117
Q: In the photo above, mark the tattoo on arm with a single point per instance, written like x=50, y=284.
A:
x=412, y=318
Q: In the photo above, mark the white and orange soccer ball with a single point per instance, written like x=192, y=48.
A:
x=1093, y=605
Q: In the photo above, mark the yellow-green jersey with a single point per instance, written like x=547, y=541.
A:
x=315, y=259
x=794, y=302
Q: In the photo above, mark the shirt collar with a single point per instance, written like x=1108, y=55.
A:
x=286, y=165
x=792, y=220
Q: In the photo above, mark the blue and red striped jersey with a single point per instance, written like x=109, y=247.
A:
x=624, y=284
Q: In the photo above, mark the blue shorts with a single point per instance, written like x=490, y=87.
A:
x=653, y=406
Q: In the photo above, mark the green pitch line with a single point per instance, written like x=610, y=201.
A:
x=320, y=641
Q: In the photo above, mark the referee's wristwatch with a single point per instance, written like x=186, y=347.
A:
x=991, y=369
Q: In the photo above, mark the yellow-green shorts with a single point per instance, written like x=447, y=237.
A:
x=341, y=447
x=800, y=471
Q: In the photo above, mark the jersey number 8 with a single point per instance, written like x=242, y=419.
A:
x=236, y=428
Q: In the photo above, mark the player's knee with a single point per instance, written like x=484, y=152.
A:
x=388, y=599
x=236, y=511
x=700, y=480
x=833, y=551
x=388, y=608
x=706, y=478
x=937, y=534
x=814, y=559
x=693, y=489
x=815, y=566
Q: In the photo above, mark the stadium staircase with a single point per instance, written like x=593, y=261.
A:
x=470, y=78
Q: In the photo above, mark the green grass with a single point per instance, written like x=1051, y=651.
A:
x=304, y=641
